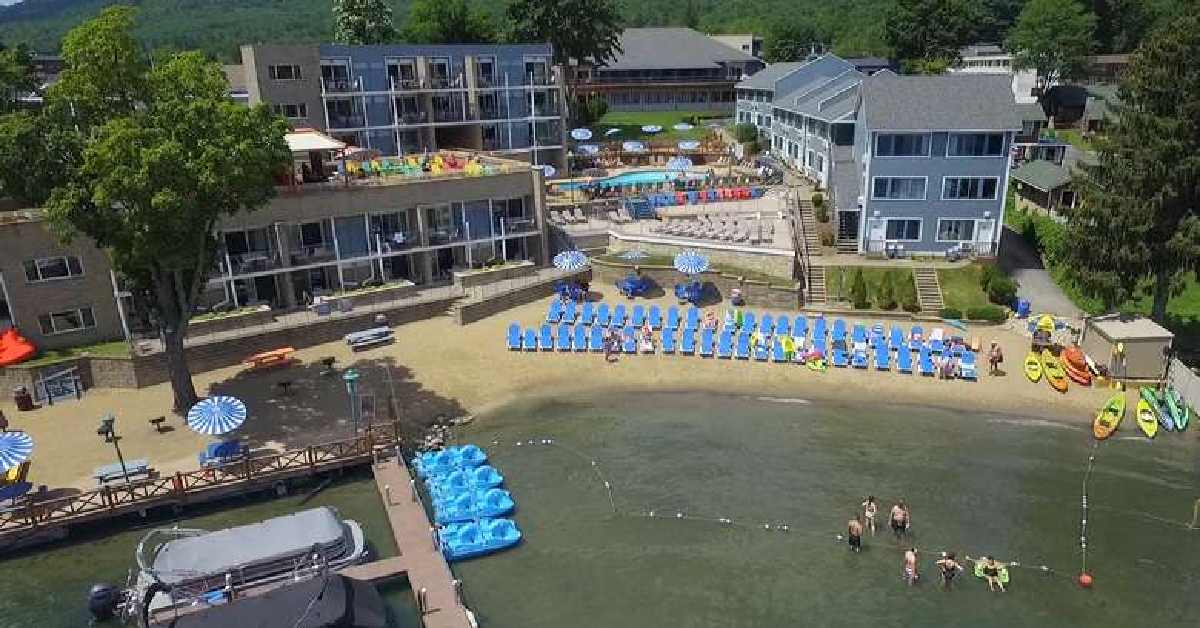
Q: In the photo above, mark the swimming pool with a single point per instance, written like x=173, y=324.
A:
x=632, y=178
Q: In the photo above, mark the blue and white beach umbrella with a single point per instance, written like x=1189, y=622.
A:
x=15, y=448
x=581, y=134
x=633, y=147
x=587, y=149
x=548, y=171
x=689, y=144
x=217, y=415
x=691, y=263
x=683, y=126
x=571, y=260
x=634, y=255
x=651, y=128
x=679, y=163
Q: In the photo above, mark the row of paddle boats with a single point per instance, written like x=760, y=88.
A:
x=468, y=502
x=1156, y=408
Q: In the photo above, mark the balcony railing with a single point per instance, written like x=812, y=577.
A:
x=483, y=81
x=401, y=84
x=440, y=82
x=413, y=117
x=340, y=86
x=495, y=144
x=539, y=80
x=447, y=235
x=313, y=254
x=397, y=241
x=347, y=121
x=453, y=114
x=253, y=262
x=547, y=110
x=488, y=113
x=513, y=226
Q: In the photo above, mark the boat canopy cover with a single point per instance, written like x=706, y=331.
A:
x=340, y=602
x=224, y=550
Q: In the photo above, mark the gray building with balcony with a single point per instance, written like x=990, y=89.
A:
x=404, y=99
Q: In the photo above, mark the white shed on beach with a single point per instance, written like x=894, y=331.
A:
x=1145, y=345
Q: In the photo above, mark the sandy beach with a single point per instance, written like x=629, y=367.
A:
x=439, y=369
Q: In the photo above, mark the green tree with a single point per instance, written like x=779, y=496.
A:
x=448, y=22
x=358, y=22
x=588, y=111
x=924, y=30
x=585, y=30
x=1122, y=24
x=1138, y=216
x=1053, y=38
x=691, y=14
x=153, y=180
x=790, y=40
x=999, y=16
x=886, y=299
x=16, y=76
x=858, y=290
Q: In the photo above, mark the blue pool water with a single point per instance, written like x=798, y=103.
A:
x=632, y=178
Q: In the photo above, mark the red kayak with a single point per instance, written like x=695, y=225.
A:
x=14, y=348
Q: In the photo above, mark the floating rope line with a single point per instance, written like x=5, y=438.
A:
x=1195, y=515
x=1085, y=578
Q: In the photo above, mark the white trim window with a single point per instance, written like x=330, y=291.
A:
x=903, y=230
x=970, y=188
x=51, y=268
x=956, y=230
x=902, y=144
x=291, y=111
x=284, y=72
x=67, y=321
x=898, y=188
x=975, y=145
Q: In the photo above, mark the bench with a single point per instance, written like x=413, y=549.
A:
x=112, y=472
x=369, y=338
x=157, y=422
x=268, y=359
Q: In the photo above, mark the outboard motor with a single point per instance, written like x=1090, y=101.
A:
x=103, y=600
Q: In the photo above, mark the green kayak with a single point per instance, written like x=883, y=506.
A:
x=1179, y=409
x=1164, y=414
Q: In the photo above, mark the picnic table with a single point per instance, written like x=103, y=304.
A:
x=266, y=359
x=369, y=338
x=112, y=472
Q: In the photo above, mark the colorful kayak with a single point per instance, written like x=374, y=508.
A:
x=1181, y=410
x=1055, y=375
x=1033, y=367
x=1109, y=417
x=1146, y=418
x=1151, y=398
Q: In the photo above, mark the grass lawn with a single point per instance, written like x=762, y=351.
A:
x=839, y=280
x=631, y=123
x=114, y=349
x=1075, y=138
x=960, y=287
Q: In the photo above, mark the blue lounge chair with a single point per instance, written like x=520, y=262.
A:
x=514, y=337
x=628, y=340
x=967, y=368
x=706, y=342
x=748, y=322
x=672, y=318
x=546, y=339
x=839, y=331
x=619, y=315
x=767, y=325
x=882, y=358
x=876, y=340
x=904, y=361
x=859, y=359
x=916, y=338
x=563, y=339
x=681, y=294
x=692, y=197
x=925, y=362
x=655, y=317
x=554, y=312
x=858, y=334
x=570, y=311
x=937, y=346
x=819, y=326
x=693, y=318
x=838, y=358
x=897, y=338
x=668, y=341
x=580, y=341
x=819, y=345
x=596, y=339
x=530, y=342
x=587, y=313
x=603, y=316
x=783, y=326
x=639, y=316
x=743, y=346
x=800, y=327
x=777, y=352
x=725, y=344
x=687, y=343
x=762, y=352
x=877, y=330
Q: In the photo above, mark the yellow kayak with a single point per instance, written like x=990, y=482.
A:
x=1033, y=367
x=1146, y=419
x=1055, y=375
x=1109, y=417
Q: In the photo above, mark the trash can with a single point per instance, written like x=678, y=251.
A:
x=22, y=399
x=1023, y=308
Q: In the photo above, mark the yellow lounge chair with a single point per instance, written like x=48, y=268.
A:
x=16, y=474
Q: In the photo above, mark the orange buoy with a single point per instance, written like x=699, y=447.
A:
x=1085, y=580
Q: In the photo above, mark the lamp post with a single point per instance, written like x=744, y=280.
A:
x=108, y=431
x=351, y=378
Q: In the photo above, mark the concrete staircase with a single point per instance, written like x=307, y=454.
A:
x=929, y=291
x=808, y=218
x=816, y=286
x=847, y=246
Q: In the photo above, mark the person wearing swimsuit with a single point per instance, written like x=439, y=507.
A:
x=869, y=509
x=854, y=530
x=991, y=573
x=949, y=568
x=910, y=566
x=900, y=519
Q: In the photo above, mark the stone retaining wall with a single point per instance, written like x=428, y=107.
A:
x=717, y=286
x=470, y=311
x=476, y=278
x=773, y=263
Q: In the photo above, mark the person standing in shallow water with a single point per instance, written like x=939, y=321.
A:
x=910, y=566
x=870, y=508
x=854, y=531
x=949, y=567
x=900, y=519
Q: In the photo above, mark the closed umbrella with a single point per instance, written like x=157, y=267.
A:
x=547, y=170
x=581, y=134
x=587, y=149
x=15, y=448
x=571, y=260
x=691, y=263
x=217, y=415
x=683, y=126
x=611, y=132
x=689, y=144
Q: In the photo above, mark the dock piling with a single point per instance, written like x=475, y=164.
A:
x=387, y=493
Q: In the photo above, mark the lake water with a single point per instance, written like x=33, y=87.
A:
x=976, y=483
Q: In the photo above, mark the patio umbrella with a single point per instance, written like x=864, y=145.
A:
x=633, y=147
x=611, y=132
x=571, y=260
x=689, y=144
x=581, y=134
x=691, y=263
x=547, y=170
x=587, y=149
x=15, y=448
x=634, y=255
x=683, y=126
x=217, y=415
x=679, y=163
x=651, y=128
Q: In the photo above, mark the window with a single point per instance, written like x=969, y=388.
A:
x=956, y=230
x=902, y=145
x=284, y=72
x=975, y=145
x=48, y=268
x=898, y=188
x=291, y=111
x=969, y=188
x=67, y=321
x=903, y=229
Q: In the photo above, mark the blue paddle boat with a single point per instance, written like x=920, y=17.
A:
x=460, y=541
x=463, y=480
x=472, y=505
x=433, y=463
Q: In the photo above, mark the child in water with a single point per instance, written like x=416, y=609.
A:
x=910, y=566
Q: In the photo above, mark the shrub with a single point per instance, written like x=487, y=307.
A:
x=986, y=274
x=821, y=213
x=745, y=132
x=818, y=200
x=1002, y=290
x=950, y=312
x=886, y=299
x=827, y=238
x=993, y=313
x=858, y=291
x=906, y=294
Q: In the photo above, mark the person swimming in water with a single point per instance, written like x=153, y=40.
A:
x=949, y=567
x=854, y=531
x=910, y=566
x=869, y=509
x=900, y=519
x=991, y=572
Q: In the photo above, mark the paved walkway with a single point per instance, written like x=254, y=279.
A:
x=1021, y=261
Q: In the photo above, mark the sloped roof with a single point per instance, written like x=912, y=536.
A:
x=828, y=100
x=1043, y=175
x=844, y=178
x=1031, y=111
x=981, y=102
x=672, y=48
x=766, y=77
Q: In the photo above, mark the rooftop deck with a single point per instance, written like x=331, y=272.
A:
x=387, y=171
